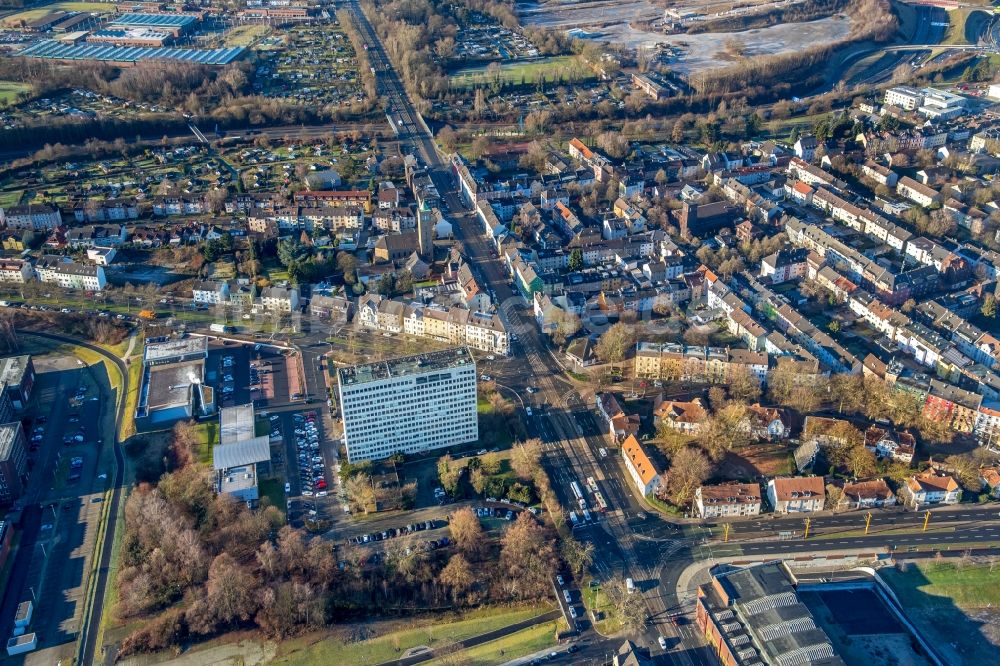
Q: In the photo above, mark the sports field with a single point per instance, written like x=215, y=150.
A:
x=558, y=69
x=10, y=89
x=39, y=12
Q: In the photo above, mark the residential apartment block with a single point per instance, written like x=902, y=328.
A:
x=411, y=404
x=798, y=494
x=455, y=325
x=728, y=500
x=13, y=462
x=676, y=362
x=70, y=275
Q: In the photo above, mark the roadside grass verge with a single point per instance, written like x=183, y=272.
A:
x=609, y=622
x=330, y=648
x=524, y=642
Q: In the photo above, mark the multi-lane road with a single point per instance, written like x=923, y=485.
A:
x=629, y=540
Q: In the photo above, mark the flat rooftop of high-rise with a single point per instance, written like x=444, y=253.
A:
x=405, y=365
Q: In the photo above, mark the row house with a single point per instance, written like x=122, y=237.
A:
x=94, y=236
x=481, y=331
x=758, y=208
x=811, y=175
x=784, y=265
x=641, y=469
x=951, y=405
x=729, y=500
x=917, y=192
x=108, y=210
x=178, y=205
x=352, y=198
x=930, y=253
x=244, y=202
x=31, y=216
x=713, y=365
x=394, y=220
x=879, y=173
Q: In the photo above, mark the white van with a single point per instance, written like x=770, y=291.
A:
x=629, y=585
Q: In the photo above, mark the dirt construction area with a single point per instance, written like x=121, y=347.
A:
x=615, y=22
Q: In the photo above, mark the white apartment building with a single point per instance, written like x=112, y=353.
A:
x=728, y=500
x=280, y=299
x=211, y=293
x=32, y=216
x=411, y=404
x=15, y=270
x=904, y=97
x=69, y=274
x=479, y=330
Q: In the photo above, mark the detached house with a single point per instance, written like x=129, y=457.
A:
x=885, y=443
x=932, y=487
x=798, y=494
x=686, y=417
x=866, y=495
x=768, y=423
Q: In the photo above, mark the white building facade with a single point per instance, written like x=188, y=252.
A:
x=411, y=404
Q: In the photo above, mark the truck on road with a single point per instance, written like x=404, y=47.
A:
x=221, y=328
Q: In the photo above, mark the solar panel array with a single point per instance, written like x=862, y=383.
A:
x=54, y=50
x=154, y=20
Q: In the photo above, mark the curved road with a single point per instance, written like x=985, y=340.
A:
x=92, y=615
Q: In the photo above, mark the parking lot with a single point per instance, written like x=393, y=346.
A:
x=66, y=425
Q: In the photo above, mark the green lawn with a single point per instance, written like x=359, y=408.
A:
x=11, y=198
x=245, y=35
x=313, y=649
x=559, y=68
x=933, y=584
x=8, y=94
x=595, y=600
x=274, y=491
x=208, y=438
x=524, y=642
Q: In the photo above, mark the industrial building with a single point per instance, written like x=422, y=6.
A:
x=411, y=404
x=240, y=456
x=173, y=381
x=51, y=49
x=754, y=616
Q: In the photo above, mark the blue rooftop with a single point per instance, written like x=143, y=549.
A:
x=54, y=50
x=154, y=20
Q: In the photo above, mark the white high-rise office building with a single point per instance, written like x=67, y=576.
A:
x=410, y=404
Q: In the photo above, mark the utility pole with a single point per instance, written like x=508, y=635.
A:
x=808, y=523
x=927, y=519
x=868, y=522
x=725, y=532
